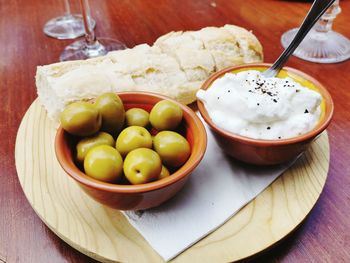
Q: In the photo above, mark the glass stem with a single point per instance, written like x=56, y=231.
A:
x=325, y=23
x=67, y=7
x=90, y=36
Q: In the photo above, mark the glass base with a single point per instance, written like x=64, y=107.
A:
x=80, y=50
x=330, y=47
x=68, y=26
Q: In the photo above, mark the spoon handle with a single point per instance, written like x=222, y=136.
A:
x=317, y=9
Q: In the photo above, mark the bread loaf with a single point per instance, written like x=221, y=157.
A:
x=176, y=65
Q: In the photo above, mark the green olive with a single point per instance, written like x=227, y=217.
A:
x=165, y=115
x=104, y=163
x=142, y=165
x=164, y=173
x=173, y=148
x=81, y=118
x=137, y=117
x=131, y=138
x=112, y=111
x=87, y=143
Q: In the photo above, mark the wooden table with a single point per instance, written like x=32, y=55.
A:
x=325, y=234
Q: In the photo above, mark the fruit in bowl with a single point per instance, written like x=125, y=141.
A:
x=264, y=121
x=130, y=173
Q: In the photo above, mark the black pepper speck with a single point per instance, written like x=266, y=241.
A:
x=268, y=127
x=306, y=111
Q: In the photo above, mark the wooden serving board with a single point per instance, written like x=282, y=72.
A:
x=105, y=234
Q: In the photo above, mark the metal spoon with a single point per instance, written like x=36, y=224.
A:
x=317, y=9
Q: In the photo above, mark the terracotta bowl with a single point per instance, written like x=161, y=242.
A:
x=143, y=196
x=267, y=152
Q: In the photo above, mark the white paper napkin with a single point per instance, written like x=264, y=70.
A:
x=216, y=190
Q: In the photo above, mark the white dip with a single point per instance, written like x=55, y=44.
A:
x=251, y=105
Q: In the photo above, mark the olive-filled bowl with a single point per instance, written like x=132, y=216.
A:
x=141, y=196
x=269, y=152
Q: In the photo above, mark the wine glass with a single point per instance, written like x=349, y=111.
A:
x=90, y=46
x=322, y=44
x=67, y=26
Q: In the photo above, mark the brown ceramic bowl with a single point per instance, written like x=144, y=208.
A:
x=143, y=196
x=268, y=152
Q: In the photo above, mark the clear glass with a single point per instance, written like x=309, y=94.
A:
x=67, y=26
x=90, y=46
x=322, y=44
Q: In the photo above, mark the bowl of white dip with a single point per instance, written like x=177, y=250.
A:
x=264, y=121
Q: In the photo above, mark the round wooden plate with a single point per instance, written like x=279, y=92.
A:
x=105, y=234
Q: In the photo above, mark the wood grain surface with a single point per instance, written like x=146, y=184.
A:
x=105, y=234
x=323, y=237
